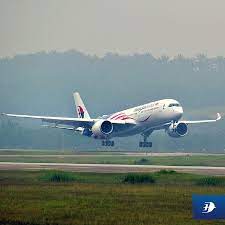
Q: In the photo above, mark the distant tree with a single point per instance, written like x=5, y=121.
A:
x=164, y=59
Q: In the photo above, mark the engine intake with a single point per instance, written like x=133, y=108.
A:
x=177, y=130
x=102, y=128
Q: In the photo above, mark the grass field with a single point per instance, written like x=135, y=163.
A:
x=109, y=158
x=27, y=197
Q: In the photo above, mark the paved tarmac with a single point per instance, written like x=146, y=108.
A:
x=118, y=154
x=111, y=168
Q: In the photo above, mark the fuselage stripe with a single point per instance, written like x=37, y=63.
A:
x=114, y=116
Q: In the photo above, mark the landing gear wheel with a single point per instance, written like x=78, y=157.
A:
x=145, y=144
x=108, y=143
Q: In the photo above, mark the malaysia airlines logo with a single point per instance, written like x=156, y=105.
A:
x=80, y=112
x=208, y=207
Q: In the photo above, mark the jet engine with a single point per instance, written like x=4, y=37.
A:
x=102, y=128
x=177, y=130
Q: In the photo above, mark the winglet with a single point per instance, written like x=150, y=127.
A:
x=218, y=117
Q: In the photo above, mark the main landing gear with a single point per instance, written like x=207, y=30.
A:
x=145, y=143
x=108, y=143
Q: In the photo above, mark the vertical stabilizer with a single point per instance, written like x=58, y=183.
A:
x=80, y=107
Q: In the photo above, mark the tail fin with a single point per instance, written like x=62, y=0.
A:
x=80, y=107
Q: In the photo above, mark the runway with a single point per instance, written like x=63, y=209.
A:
x=111, y=168
x=117, y=154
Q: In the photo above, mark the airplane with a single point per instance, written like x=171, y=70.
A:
x=164, y=114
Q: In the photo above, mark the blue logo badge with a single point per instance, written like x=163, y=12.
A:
x=208, y=207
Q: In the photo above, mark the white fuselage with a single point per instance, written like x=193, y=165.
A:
x=150, y=116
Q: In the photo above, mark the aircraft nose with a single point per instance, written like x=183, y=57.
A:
x=179, y=112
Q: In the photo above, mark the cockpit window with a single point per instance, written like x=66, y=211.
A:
x=173, y=104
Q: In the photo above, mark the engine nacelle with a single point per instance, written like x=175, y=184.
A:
x=102, y=128
x=177, y=130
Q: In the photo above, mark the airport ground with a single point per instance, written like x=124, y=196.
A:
x=34, y=197
x=107, y=157
x=30, y=197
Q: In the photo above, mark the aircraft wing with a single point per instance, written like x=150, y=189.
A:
x=75, y=122
x=201, y=121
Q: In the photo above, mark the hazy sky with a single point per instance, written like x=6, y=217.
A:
x=122, y=26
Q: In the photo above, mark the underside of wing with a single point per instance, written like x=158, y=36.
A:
x=75, y=122
x=201, y=121
x=122, y=125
